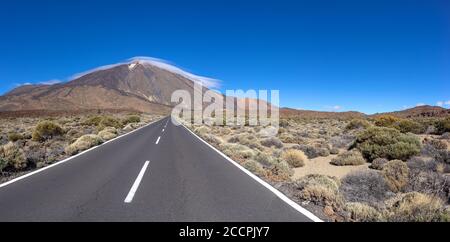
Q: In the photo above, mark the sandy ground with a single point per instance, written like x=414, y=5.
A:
x=321, y=165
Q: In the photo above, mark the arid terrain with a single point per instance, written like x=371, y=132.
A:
x=379, y=168
x=34, y=140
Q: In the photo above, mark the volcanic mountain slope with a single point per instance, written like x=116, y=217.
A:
x=421, y=112
x=138, y=86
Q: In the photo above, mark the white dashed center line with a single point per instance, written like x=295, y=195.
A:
x=135, y=186
x=158, y=139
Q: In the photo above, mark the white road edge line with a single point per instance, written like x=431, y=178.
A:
x=158, y=139
x=72, y=157
x=136, y=183
x=262, y=182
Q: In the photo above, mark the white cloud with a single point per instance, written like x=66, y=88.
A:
x=447, y=103
x=440, y=103
x=50, y=82
x=420, y=104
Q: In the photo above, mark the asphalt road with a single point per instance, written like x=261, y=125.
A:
x=149, y=175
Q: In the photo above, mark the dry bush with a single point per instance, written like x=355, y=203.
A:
x=378, y=163
x=385, y=120
x=12, y=156
x=387, y=143
x=416, y=207
x=254, y=167
x=108, y=133
x=295, y=158
x=131, y=119
x=279, y=171
x=349, y=158
x=202, y=130
x=213, y=140
x=272, y=142
x=14, y=136
x=46, y=130
x=334, y=151
x=396, y=175
x=409, y=126
x=319, y=189
x=363, y=213
x=366, y=187
x=443, y=126
x=108, y=121
x=357, y=124
x=237, y=152
x=83, y=143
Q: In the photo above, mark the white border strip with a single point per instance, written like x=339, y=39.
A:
x=283, y=197
x=72, y=157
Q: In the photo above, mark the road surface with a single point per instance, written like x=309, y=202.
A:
x=161, y=172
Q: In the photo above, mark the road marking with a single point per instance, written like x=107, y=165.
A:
x=158, y=139
x=279, y=194
x=136, y=183
x=72, y=157
x=163, y=130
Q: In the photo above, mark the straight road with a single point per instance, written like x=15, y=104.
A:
x=161, y=172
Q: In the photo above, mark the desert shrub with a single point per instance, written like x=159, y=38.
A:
x=13, y=156
x=349, y=158
x=443, y=126
x=396, y=175
x=357, y=124
x=445, y=135
x=108, y=133
x=202, y=130
x=46, y=130
x=377, y=142
x=108, y=121
x=334, y=151
x=211, y=139
x=435, y=143
x=3, y=163
x=378, y=163
x=415, y=207
x=319, y=189
x=311, y=151
x=291, y=139
x=237, y=152
x=272, y=142
x=284, y=123
x=409, y=126
x=131, y=119
x=342, y=141
x=83, y=143
x=295, y=158
x=365, y=187
x=363, y=212
x=254, y=167
x=280, y=171
x=385, y=120
x=93, y=121
x=14, y=136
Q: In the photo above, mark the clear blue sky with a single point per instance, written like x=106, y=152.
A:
x=370, y=56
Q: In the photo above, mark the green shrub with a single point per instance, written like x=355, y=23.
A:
x=378, y=163
x=349, y=158
x=396, y=175
x=385, y=120
x=378, y=142
x=443, y=126
x=46, y=130
x=131, y=119
x=14, y=136
x=83, y=143
x=295, y=158
x=409, y=126
x=12, y=155
x=357, y=124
